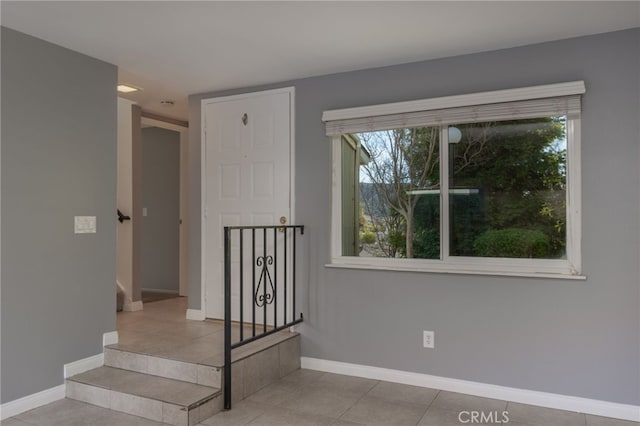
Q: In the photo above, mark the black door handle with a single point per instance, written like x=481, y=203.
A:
x=121, y=217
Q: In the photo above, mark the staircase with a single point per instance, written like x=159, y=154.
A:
x=179, y=392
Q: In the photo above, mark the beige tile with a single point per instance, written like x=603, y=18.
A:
x=260, y=370
x=175, y=415
x=440, y=417
x=607, y=421
x=192, y=330
x=172, y=391
x=276, y=393
x=173, y=369
x=137, y=406
x=460, y=402
x=289, y=355
x=303, y=377
x=65, y=412
x=370, y=410
x=14, y=422
x=320, y=401
x=150, y=343
x=347, y=385
x=278, y=416
x=107, y=377
x=68, y=412
x=405, y=393
x=239, y=415
x=340, y=422
x=126, y=360
x=237, y=381
x=540, y=416
x=194, y=350
x=87, y=393
x=209, y=409
x=114, y=418
x=209, y=376
x=147, y=386
x=216, y=359
x=249, y=349
x=262, y=343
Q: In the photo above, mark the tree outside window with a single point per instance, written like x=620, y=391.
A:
x=506, y=198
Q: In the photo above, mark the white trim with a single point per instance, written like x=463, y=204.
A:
x=574, y=193
x=539, y=268
x=130, y=306
x=47, y=396
x=163, y=124
x=121, y=287
x=110, y=338
x=480, y=98
x=444, y=194
x=291, y=90
x=524, y=396
x=203, y=209
x=195, y=314
x=444, y=269
x=29, y=402
x=82, y=365
x=336, y=196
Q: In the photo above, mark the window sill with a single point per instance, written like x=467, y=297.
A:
x=452, y=269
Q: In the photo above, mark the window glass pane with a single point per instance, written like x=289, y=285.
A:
x=507, y=189
x=391, y=193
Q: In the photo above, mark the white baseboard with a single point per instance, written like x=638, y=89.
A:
x=121, y=287
x=542, y=399
x=83, y=365
x=130, y=306
x=29, y=402
x=195, y=314
x=110, y=338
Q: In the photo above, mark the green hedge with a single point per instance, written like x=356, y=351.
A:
x=513, y=243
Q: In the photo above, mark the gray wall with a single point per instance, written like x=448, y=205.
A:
x=576, y=338
x=58, y=161
x=160, y=254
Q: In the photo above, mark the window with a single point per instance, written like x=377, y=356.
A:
x=484, y=183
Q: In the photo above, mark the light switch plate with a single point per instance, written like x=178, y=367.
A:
x=85, y=224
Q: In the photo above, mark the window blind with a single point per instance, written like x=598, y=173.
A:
x=552, y=106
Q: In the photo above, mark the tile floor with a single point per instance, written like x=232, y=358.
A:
x=307, y=397
x=162, y=330
x=304, y=397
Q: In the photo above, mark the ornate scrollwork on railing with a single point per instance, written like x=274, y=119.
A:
x=268, y=293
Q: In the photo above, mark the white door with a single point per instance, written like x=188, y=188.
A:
x=247, y=180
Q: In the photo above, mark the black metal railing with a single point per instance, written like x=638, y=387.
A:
x=260, y=265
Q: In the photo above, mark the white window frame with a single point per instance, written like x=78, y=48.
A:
x=569, y=268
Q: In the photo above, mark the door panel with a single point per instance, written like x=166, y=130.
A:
x=247, y=182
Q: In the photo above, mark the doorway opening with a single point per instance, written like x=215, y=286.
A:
x=160, y=222
x=152, y=204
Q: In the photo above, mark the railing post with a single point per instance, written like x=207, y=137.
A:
x=227, y=318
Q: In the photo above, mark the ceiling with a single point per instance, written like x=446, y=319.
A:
x=175, y=48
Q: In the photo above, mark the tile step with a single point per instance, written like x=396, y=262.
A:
x=185, y=371
x=206, y=372
x=156, y=398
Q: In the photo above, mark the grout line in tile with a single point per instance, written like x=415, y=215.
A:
x=359, y=399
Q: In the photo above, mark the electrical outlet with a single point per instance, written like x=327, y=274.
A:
x=428, y=339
